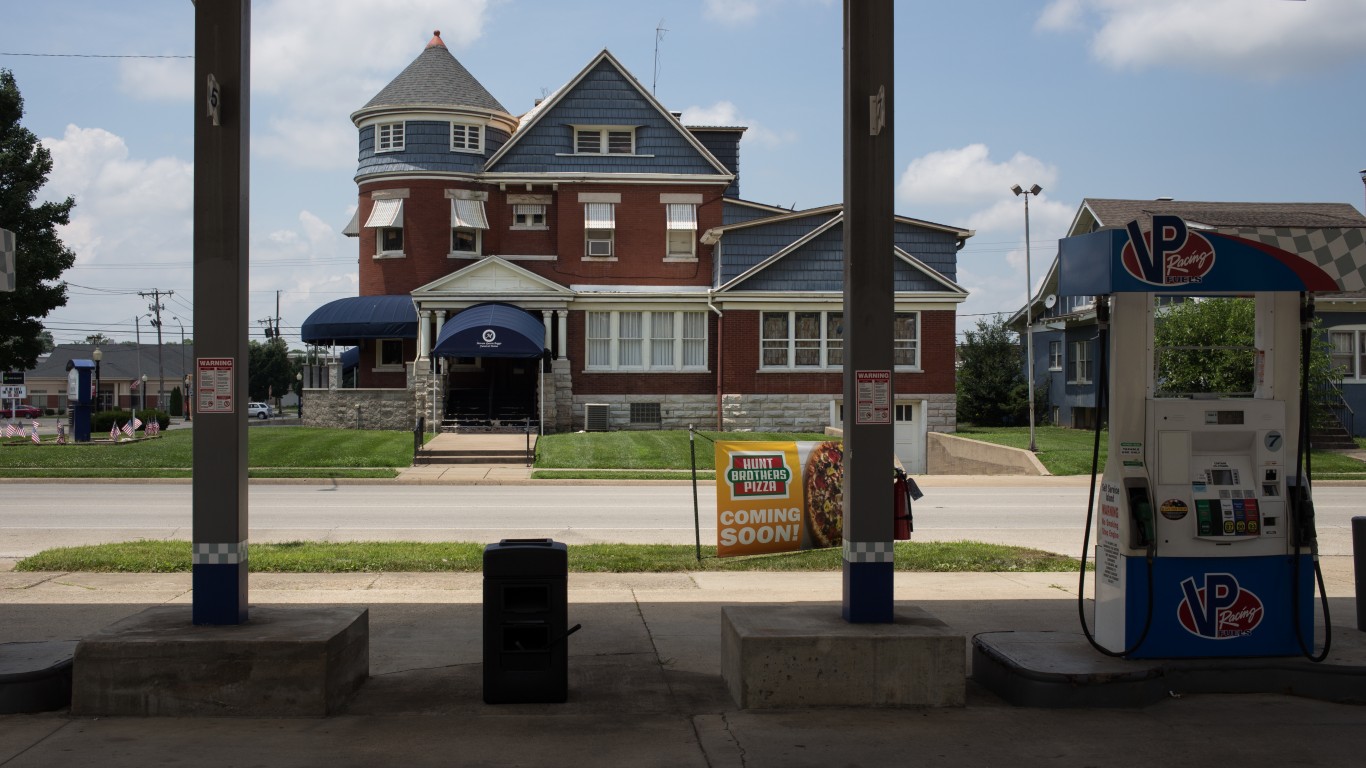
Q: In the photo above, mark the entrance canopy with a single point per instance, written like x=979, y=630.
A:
x=349, y=321
x=491, y=330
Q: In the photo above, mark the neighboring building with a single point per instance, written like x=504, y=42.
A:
x=121, y=367
x=1065, y=326
x=594, y=254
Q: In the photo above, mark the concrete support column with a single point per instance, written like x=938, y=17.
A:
x=545, y=320
x=440, y=315
x=424, y=334
x=562, y=316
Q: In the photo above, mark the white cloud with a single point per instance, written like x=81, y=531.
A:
x=968, y=175
x=726, y=113
x=1265, y=39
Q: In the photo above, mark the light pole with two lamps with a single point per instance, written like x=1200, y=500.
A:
x=299, y=383
x=142, y=395
x=1029, y=301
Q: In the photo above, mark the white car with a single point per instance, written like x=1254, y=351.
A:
x=259, y=410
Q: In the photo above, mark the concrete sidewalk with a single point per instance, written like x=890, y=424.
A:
x=645, y=685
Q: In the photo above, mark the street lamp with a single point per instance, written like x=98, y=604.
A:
x=189, y=400
x=1363, y=176
x=1029, y=301
x=142, y=394
x=97, y=356
x=299, y=383
x=185, y=403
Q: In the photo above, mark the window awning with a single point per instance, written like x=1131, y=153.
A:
x=468, y=213
x=599, y=216
x=528, y=209
x=491, y=330
x=350, y=320
x=352, y=228
x=682, y=216
x=386, y=213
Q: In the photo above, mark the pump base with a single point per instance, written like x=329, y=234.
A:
x=1060, y=669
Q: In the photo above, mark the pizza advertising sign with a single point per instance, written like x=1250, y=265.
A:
x=778, y=496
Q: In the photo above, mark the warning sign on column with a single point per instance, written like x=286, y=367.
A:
x=213, y=390
x=874, y=397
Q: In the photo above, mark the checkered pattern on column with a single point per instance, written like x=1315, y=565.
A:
x=220, y=554
x=867, y=551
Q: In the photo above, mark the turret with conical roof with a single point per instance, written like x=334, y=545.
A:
x=435, y=116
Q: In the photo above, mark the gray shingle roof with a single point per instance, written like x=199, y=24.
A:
x=435, y=78
x=1121, y=212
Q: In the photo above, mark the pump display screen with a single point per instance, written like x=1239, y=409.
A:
x=1221, y=477
x=1224, y=417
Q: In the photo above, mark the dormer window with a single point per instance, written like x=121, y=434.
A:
x=615, y=140
x=389, y=137
x=467, y=138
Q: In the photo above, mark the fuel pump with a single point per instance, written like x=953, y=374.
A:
x=1204, y=539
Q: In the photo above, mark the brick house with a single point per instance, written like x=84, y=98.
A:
x=594, y=255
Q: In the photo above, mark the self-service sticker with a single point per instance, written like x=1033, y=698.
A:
x=1131, y=454
x=1174, y=509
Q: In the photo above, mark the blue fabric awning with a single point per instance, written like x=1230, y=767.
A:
x=350, y=320
x=491, y=330
x=350, y=359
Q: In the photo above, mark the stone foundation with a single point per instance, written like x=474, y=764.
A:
x=748, y=413
x=359, y=408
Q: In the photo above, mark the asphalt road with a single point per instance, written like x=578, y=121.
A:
x=1046, y=513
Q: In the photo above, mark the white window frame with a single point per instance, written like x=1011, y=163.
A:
x=827, y=342
x=680, y=232
x=611, y=336
x=1055, y=355
x=597, y=236
x=380, y=346
x=467, y=137
x=1080, y=368
x=478, y=242
x=1355, y=373
x=390, y=137
x=585, y=141
x=385, y=225
x=524, y=216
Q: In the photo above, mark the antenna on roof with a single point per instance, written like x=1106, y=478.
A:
x=659, y=35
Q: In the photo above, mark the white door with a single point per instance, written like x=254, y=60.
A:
x=909, y=429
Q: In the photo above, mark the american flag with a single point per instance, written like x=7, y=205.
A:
x=153, y=428
x=137, y=424
x=36, y=439
x=128, y=429
x=61, y=434
x=114, y=432
x=9, y=429
x=36, y=425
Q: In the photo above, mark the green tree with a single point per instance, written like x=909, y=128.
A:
x=1207, y=346
x=49, y=343
x=98, y=338
x=40, y=257
x=270, y=371
x=992, y=390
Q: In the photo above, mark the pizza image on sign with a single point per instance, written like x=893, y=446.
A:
x=824, y=478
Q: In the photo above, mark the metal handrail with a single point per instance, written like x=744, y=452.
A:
x=1337, y=401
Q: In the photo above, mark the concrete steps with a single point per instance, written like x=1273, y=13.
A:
x=481, y=448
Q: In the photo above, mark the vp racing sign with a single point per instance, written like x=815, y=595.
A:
x=1171, y=254
x=1219, y=609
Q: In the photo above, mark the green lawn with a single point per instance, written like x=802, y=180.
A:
x=1068, y=451
x=419, y=557
x=655, y=449
x=308, y=448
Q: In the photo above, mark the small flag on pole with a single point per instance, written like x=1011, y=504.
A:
x=36, y=439
x=61, y=433
x=153, y=428
x=36, y=424
x=128, y=429
x=9, y=429
x=114, y=432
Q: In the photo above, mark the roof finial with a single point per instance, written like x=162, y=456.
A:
x=436, y=39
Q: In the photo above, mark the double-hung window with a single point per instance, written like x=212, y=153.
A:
x=386, y=218
x=468, y=223
x=681, y=231
x=467, y=138
x=1080, y=372
x=646, y=341
x=1055, y=355
x=618, y=140
x=599, y=230
x=810, y=339
x=389, y=137
x=389, y=354
x=1349, y=352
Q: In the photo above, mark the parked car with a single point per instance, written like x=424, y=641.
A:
x=259, y=410
x=21, y=411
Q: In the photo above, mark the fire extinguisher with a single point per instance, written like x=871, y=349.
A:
x=904, y=491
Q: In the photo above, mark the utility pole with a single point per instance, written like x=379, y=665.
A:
x=156, y=307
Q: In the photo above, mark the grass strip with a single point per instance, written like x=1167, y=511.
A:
x=626, y=474
x=425, y=557
x=655, y=449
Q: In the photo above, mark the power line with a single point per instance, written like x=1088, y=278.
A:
x=95, y=55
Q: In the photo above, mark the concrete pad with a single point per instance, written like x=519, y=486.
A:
x=807, y=655
x=282, y=662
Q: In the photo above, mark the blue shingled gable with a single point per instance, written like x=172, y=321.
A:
x=604, y=96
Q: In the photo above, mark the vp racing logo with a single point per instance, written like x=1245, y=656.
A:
x=1171, y=254
x=1220, y=610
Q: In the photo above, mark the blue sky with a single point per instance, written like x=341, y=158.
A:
x=1255, y=100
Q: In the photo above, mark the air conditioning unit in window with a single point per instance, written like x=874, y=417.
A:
x=597, y=417
x=599, y=247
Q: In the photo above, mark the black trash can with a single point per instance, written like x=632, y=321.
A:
x=526, y=653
